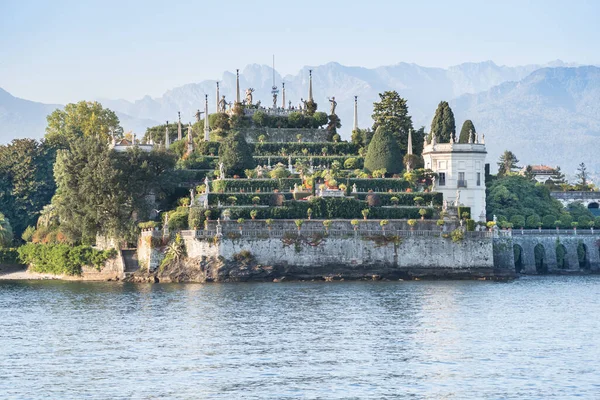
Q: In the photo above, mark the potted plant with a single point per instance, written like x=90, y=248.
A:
x=327, y=224
x=299, y=137
x=240, y=222
x=557, y=224
x=261, y=139
x=412, y=223
x=440, y=223
x=232, y=200
x=540, y=226
x=299, y=223
x=324, y=151
x=309, y=213
x=253, y=214
x=418, y=200
x=574, y=225
x=422, y=213
x=365, y=213
x=354, y=224
x=490, y=225
x=269, y=222
x=226, y=214
x=255, y=200
x=395, y=200
x=383, y=223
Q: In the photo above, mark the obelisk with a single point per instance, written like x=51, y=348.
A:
x=167, y=139
x=283, y=95
x=237, y=86
x=217, y=98
x=355, y=114
x=206, y=127
x=310, y=94
x=179, y=125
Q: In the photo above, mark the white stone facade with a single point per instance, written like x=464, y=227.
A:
x=461, y=170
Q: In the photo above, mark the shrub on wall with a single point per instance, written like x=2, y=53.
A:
x=251, y=185
x=378, y=185
x=313, y=149
x=9, y=256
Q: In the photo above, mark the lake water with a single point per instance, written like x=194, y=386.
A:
x=535, y=338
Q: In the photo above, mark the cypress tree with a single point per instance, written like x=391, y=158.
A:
x=235, y=154
x=464, y=132
x=443, y=125
x=384, y=152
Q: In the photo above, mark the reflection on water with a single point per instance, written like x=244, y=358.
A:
x=532, y=338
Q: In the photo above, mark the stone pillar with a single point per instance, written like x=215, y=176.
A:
x=167, y=139
x=217, y=100
x=237, y=86
x=179, y=125
x=310, y=93
x=206, y=126
x=355, y=127
x=190, y=143
x=283, y=95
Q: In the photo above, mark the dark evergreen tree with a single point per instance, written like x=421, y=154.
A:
x=384, y=152
x=236, y=155
x=464, y=132
x=391, y=113
x=582, y=177
x=311, y=108
x=507, y=163
x=443, y=125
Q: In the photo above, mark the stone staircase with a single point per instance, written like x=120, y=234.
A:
x=130, y=260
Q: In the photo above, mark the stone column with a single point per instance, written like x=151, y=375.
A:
x=206, y=126
x=237, y=86
x=310, y=93
x=355, y=113
x=217, y=99
x=179, y=125
x=283, y=95
x=409, y=149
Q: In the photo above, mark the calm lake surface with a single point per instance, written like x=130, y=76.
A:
x=535, y=338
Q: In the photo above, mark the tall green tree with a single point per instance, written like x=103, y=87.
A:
x=86, y=118
x=507, y=163
x=6, y=233
x=333, y=126
x=26, y=181
x=582, y=177
x=443, y=125
x=100, y=191
x=384, y=152
x=391, y=113
x=464, y=132
x=157, y=133
x=236, y=155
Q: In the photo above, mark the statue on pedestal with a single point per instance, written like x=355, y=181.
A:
x=274, y=101
x=198, y=115
x=222, y=104
x=333, y=105
x=354, y=190
x=457, y=201
x=249, y=92
x=471, y=136
x=221, y=171
x=192, y=196
x=206, y=185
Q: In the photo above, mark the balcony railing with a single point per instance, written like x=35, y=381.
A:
x=462, y=183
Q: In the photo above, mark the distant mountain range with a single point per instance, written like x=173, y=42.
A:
x=544, y=113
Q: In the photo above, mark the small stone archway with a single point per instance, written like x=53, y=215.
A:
x=541, y=262
x=562, y=261
x=594, y=208
x=518, y=255
x=582, y=256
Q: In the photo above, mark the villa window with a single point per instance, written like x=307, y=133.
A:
x=461, y=180
x=479, y=179
x=442, y=179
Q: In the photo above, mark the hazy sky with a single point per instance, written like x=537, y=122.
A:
x=62, y=51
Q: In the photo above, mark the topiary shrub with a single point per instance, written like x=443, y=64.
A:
x=384, y=153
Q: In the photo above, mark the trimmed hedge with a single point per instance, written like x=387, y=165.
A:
x=251, y=185
x=61, y=259
x=314, y=149
x=406, y=199
x=244, y=199
x=317, y=160
x=398, y=213
x=378, y=184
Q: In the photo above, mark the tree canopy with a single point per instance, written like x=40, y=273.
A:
x=86, y=118
x=236, y=155
x=6, y=233
x=464, y=132
x=391, y=113
x=443, y=125
x=516, y=195
x=26, y=181
x=507, y=163
x=384, y=152
x=100, y=191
